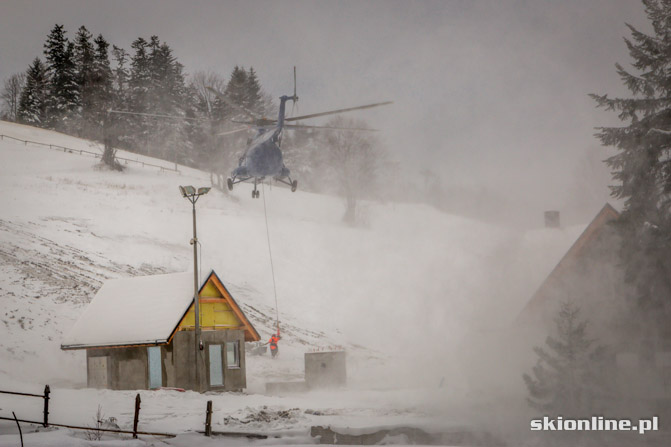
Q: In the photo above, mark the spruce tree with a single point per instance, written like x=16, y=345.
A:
x=103, y=101
x=230, y=147
x=63, y=98
x=642, y=169
x=158, y=71
x=103, y=94
x=236, y=92
x=253, y=100
x=167, y=80
x=84, y=67
x=33, y=100
x=168, y=137
x=569, y=374
x=121, y=98
x=139, y=85
x=120, y=74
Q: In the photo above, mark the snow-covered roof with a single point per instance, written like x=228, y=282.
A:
x=540, y=251
x=132, y=311
x=605, y=215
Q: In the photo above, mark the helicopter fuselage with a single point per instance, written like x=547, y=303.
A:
x=263, y=157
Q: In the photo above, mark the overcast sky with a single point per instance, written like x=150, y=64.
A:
x=491, y=94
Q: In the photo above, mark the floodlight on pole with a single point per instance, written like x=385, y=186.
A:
x=190, y=193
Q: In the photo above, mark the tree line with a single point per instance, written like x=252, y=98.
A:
x=75, y=86
x=143, y=101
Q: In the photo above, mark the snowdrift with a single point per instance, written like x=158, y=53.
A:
x=401, y=293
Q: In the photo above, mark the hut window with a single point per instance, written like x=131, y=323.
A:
x=233, y=354
x=216, y=370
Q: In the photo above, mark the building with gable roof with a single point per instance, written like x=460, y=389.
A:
x=139, y=334
x=588, y=274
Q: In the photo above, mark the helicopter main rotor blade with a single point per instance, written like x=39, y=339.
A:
x=303, y=126
x=229, y=132
x=332, y=112
x=154, y=115
x=261, y=122
x=237, y=107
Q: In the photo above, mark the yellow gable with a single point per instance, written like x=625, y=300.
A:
x=215, y=312
x=210, y=291
x=218, y=311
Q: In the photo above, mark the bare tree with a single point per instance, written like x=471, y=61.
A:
x=355, y=160
x=111, y=130
x=10, y=95
x=199, y=82
x=214, y=159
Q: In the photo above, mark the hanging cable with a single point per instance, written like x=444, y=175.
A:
x=270, y=253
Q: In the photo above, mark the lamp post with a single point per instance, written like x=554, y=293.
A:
x=190, y=193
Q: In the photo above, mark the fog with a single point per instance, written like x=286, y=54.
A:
x=491, y=96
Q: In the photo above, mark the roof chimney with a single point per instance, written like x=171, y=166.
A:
x=552, y=219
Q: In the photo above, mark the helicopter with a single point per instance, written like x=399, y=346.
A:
x=263, y=156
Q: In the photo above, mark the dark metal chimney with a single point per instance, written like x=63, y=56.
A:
x=552, y=219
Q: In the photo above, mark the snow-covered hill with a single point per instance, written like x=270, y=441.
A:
x=401, y=292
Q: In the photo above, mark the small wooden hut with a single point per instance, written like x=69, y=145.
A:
x=139, y=334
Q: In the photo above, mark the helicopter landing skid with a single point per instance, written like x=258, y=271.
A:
x=292, y=183
x=255, y=192
x=234, y=181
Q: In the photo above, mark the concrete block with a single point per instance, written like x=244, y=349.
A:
x=325, y=369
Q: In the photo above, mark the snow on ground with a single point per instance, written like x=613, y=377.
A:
x=400, y=293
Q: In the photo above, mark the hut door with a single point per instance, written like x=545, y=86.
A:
x=155, y=373
x=216, y=366
x=97, y=373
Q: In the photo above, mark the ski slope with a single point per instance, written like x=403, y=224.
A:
x=401, y=293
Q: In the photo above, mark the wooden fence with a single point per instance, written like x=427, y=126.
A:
x=46, y=423
x=89, y=153
x=136, y=419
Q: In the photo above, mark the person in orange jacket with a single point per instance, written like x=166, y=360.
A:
x=273, y=343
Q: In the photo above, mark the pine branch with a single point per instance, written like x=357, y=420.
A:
x=629, y=107
x=637, y=85
x=646, y=51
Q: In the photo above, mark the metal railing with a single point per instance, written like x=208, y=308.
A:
x=44, y=396
x=85, y=152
